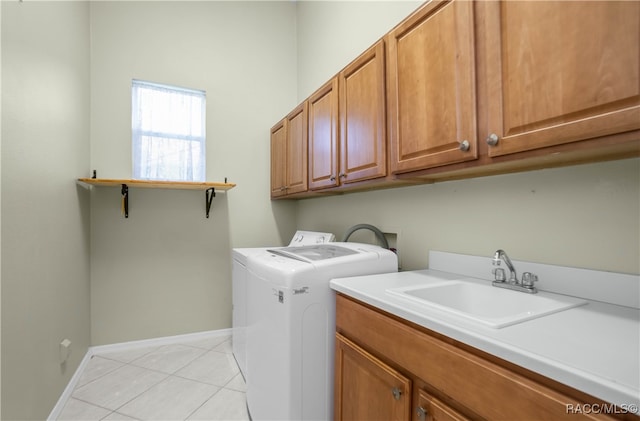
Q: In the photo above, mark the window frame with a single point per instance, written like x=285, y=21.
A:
x=138, y=134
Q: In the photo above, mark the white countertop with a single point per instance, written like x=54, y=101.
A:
x=594, y=348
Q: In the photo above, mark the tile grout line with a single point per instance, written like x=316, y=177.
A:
x=78, y=386
x=203, y=403
x=131, y=363
x=93, y=404
x=164, y=372
x=112, y=372
x=128, y=362
x=162, y=343
x=168, y=376
x=215, y=393
x=140, y=394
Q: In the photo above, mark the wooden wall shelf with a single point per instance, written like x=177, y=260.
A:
x=151, y=184
x=124, y=184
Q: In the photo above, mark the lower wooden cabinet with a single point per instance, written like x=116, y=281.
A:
x=366, y=388
x=429, y=408
x=389, y=369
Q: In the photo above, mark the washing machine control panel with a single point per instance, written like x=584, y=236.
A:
x=311, y=237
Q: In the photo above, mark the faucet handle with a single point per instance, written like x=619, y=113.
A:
x=499, y=274
x=528, y=279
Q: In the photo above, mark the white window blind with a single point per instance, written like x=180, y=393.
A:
x=168, y=129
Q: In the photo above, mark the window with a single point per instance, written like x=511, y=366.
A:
x=168, y=128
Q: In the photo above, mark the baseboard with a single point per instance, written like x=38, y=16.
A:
x=66, y=393
x=166, y=340
x=125, y=346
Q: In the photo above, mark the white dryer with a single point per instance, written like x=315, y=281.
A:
x=291, y=325
x=239, y=289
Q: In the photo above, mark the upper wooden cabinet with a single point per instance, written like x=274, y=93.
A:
x=323, y=136
x=431, y=87
x=461, y=89
x=363, y=135
x=347, y=127
x=297, y=137
x=289, y=154
x=278, y=158
x=560, y=71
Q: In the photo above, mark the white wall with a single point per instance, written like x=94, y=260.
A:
x=585, y=216
x=333, y=33
x=166, y=269
x=0, y=211
x=45, y=221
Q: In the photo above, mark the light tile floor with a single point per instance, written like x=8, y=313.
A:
x=197, y=380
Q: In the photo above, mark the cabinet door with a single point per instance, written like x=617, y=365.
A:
x=429, y=408
x=366, y=388
x=323, y=136
x=561, y=71
x=363, y=137
x=278, y=159
x=431, y=87
x=296, y=162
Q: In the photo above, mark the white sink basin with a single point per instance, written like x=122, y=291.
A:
x=492, y=306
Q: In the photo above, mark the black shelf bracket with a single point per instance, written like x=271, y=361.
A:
x=124, y=184
x=125, y=200
x=210, y=193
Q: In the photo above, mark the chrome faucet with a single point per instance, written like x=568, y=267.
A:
x=501, y=254
x=528, y=278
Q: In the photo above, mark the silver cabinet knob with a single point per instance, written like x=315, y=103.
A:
x=332, y=178
x=343, y=175
x=492, y=139
x=397, y=393
x=465, y=146
x=421, y=413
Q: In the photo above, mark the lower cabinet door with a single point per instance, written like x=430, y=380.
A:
x=429, y=408
x=366, y=388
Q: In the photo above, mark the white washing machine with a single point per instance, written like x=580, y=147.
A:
x=239, y=289
x=291, y=325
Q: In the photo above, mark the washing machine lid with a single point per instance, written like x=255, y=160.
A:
x=314, y=252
